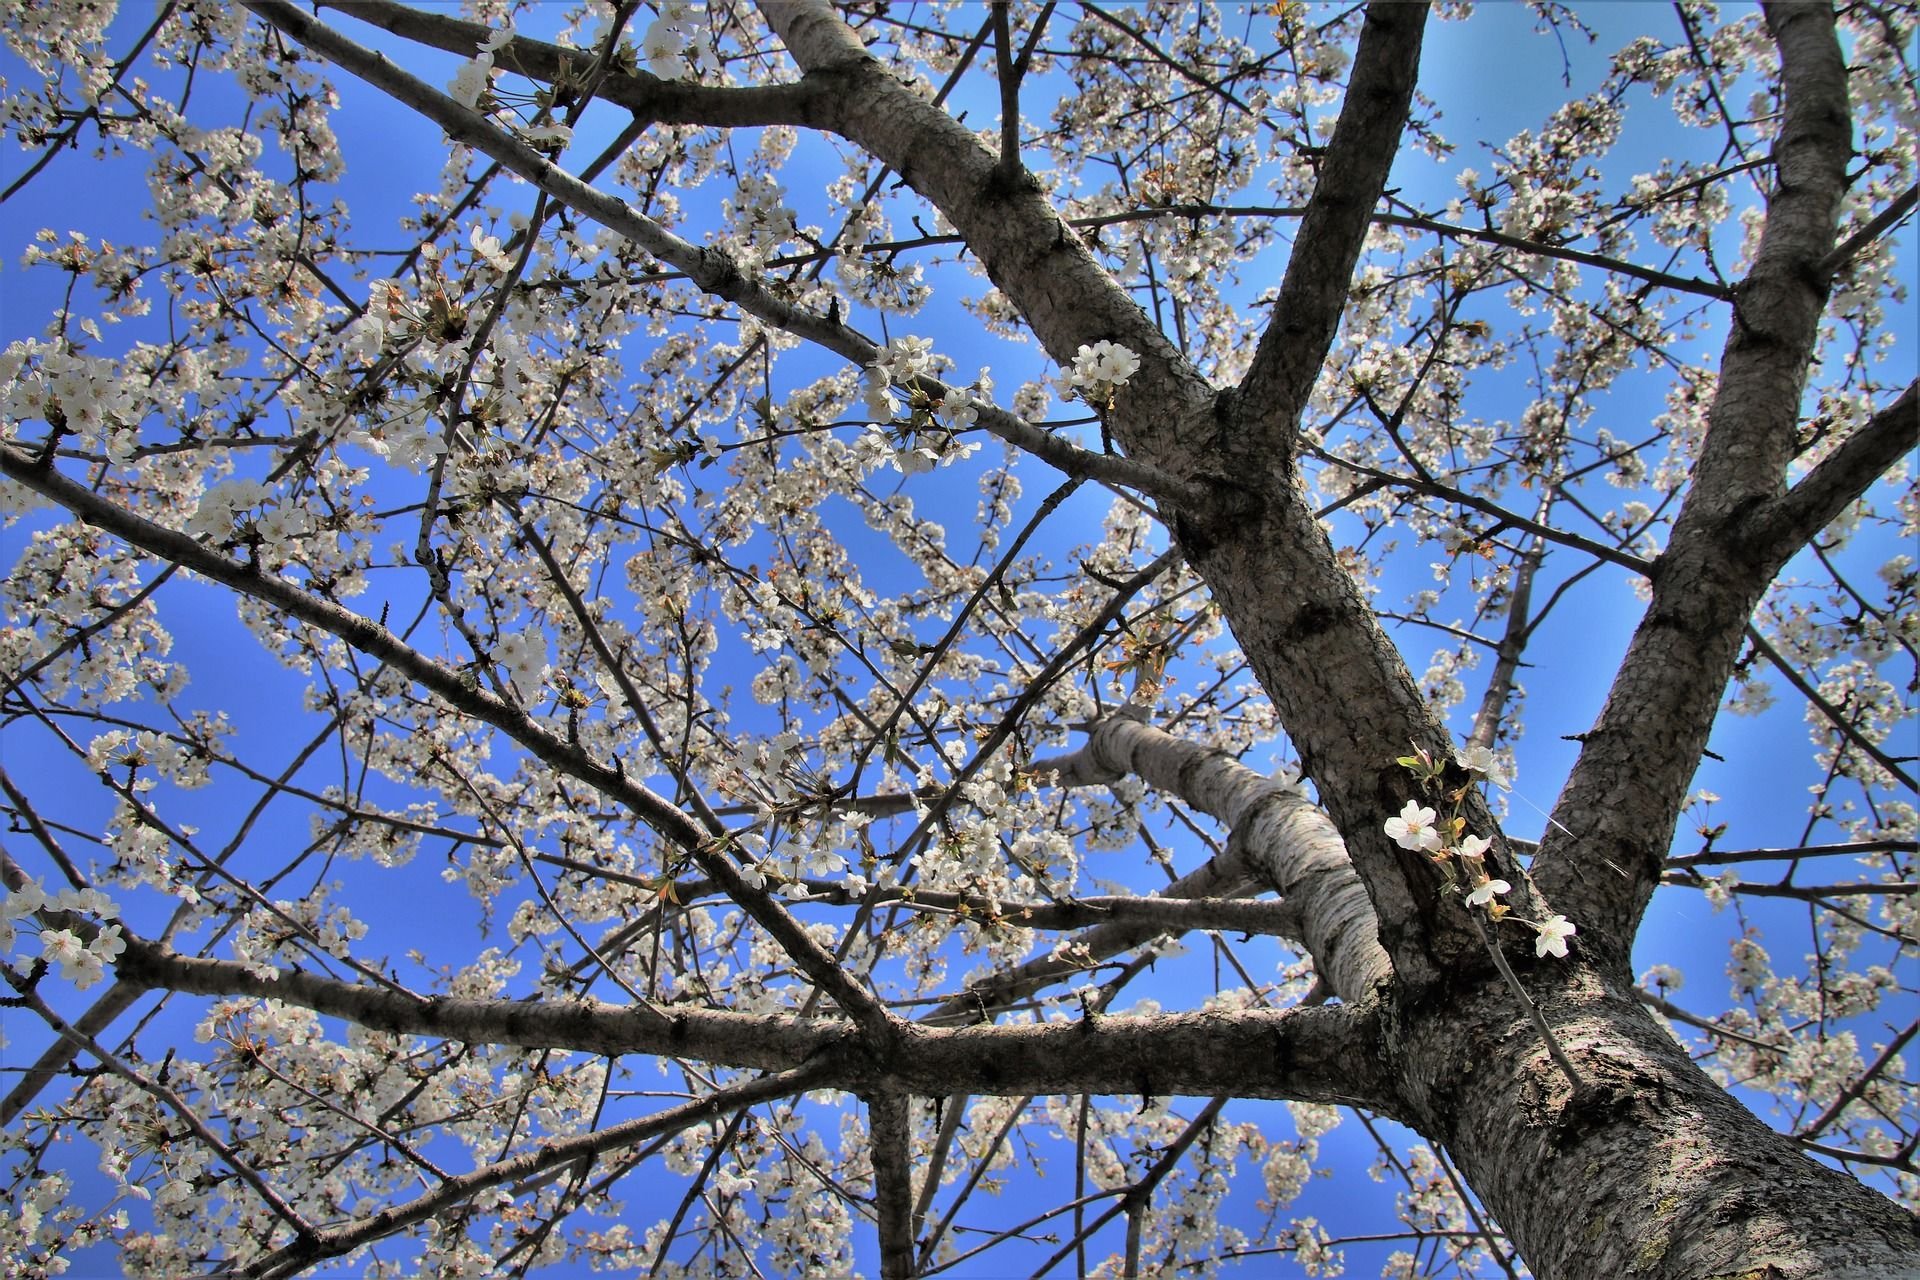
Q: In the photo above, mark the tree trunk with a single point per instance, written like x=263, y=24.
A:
x=1646, y=1168
x=1650, y=1170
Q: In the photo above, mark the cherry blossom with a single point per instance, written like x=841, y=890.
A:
x=1487, y=890
x=1553, y=933
x=1413, y=828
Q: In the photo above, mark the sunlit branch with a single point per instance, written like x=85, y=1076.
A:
x=1276, y=836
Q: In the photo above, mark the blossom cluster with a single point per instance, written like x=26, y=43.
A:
x=669, y=37
x=82, y=951
x=1462, y=855
x=1099, y=371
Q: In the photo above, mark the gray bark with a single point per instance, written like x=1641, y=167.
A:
x=1284, y=842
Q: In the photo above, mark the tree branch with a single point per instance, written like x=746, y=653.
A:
x=1281, y=839
x=1791, y=520
x=1718, y=858
x=890, y=1149
x=468, y=699
x=1834, y=715
x=1606, y=842
x=1881, y=223
x=1028, y=250
x=650, y=98
x=1009, y=80
x=1313, y=293
x=553, y=1153
x=1487, y=507
x=1214, y=881
x=1164, y=1054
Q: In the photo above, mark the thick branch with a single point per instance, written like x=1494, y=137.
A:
x=890, y=1147
x=1299, y=1053
x=1790, y=521
x=1277, y=835
x=1028, y=250
x=770, y=1042
x=1606, y=844
x=1313, y=293
x=1307, y=1053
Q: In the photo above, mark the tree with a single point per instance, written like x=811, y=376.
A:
x=813, y=854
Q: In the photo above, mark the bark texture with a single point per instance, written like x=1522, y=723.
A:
x=1651, y=1169
x=1602, y=854
x=1284, y=842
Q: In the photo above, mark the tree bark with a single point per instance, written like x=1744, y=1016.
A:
x=1652, y=1171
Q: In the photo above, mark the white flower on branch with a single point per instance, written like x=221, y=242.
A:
x=488, y=248
x=1553, y=934
x=1413, y=828
x=1099, y=371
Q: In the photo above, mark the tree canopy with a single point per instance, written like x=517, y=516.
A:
x=766, y=639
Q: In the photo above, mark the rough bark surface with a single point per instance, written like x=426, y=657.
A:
x=1649, y=1169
